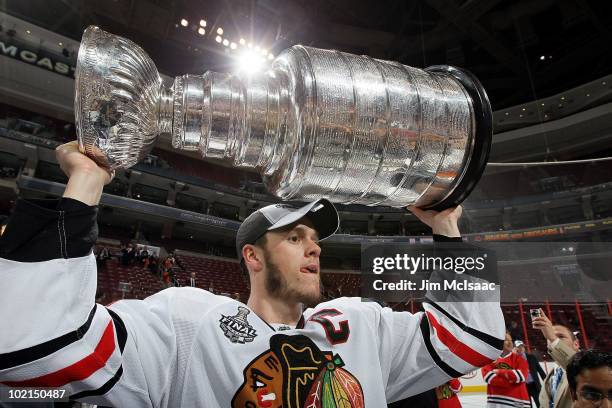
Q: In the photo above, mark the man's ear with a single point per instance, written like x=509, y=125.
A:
x=252, y=257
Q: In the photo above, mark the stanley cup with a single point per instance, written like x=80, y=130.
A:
x=319, y=123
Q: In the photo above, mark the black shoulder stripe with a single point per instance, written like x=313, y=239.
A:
x=27, y=355
x=433, y=353
x=119, y=329
x=103, y=389
x=494, y=342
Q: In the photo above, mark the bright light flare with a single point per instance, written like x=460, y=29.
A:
x=250, y=62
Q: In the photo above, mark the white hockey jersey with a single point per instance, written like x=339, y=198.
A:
x=185, y=347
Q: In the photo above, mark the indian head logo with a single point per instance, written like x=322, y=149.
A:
x=237, y=328
x=295, y=373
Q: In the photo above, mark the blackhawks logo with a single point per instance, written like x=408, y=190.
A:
x=504, y=366
x=295, y=373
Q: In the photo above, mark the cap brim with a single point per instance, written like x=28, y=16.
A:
x=321, y=213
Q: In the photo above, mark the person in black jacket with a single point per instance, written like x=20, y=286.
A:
x=533, y=382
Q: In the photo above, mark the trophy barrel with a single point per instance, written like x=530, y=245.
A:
x=373, y=132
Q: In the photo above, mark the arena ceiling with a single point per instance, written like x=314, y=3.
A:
x=520, y=50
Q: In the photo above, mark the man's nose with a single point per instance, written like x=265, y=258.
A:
x=313, y=249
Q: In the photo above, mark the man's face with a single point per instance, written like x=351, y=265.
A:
x=589, y=384
x=291, y=258
x=565, y=335
x=508, y=346
x=521, y=349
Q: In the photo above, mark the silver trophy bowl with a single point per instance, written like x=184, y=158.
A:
x=319, y=123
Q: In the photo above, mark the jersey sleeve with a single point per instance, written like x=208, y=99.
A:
x=57, y=336
x=446, y=340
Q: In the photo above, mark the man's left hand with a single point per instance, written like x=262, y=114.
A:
x=441, y=222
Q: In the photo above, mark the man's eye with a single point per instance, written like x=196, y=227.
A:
x=294, y=238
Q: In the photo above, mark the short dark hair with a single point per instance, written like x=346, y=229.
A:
x=585, y=360
x=261, y=242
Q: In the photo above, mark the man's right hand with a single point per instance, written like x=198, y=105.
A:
x=544, y=324
x=85, y=178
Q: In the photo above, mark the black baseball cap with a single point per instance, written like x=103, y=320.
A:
x=321, y=213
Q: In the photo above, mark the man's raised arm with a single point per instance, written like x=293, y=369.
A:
x=446, y=340
x=55, y=335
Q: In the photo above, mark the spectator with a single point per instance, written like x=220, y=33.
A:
x=505, y=378
x=168, y=262
x=127, y=255
x=515, y=330
x=562, y=345
x=589, y=375
x=143, y=255
x=533, y=381
x=153, y=265
x=192, y=281
x=166, y=277
x=174, y=279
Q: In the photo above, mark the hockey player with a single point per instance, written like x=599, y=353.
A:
x=505, y=379
x=188, y=347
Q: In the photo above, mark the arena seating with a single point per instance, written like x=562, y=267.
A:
x=143, y=283
x=224, y=276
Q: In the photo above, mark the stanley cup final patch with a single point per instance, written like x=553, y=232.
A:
x=237, y=328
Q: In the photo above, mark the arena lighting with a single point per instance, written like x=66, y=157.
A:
x=233, y=45
x=226, y=42
x=61, y=44
x=218, y=39
x=220, y=31
x=201, y=31
x=203, y=23
x=28, y=31
x=542, y=57
x=250, y=62
x=242, y=41
x=270, y=57
x=184, y=22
